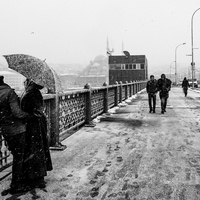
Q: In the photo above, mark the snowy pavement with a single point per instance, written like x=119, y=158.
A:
x=130, y=154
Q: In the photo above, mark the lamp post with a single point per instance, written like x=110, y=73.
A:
x=176, y=62
x=192, y=64
x=170, y=68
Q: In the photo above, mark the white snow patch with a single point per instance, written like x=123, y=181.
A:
x=123, y=104
x=111, y=111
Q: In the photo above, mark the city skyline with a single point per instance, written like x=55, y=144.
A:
x=75, y=31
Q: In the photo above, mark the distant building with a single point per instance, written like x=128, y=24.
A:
x=96, y=73
x=127, y=68
x=13, y=79
x=93, y=80
x=68, y=80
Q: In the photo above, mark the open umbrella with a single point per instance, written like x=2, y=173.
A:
x=35, y=69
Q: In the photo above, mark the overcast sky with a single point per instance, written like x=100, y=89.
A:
x=75, y=31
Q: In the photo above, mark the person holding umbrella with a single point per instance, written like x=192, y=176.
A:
x=13, y=128
x=39, y=74
x=37, y=154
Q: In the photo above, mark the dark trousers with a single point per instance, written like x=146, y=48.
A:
x=163, y=103
x=152, y=97
x=185, y=89
x=16, y=145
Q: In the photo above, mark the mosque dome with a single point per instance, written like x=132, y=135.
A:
x=99, y=58
x=96, y=65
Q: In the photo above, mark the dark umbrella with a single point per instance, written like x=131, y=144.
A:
x=35, y=69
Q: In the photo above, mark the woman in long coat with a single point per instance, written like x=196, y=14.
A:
x=37, y=156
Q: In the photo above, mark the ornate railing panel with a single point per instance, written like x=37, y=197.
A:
x=97, y=102
x=123, y=92
x=71, y=111
x=111, y=97
x=118, y=94
x=5, y=155
x=129, y=90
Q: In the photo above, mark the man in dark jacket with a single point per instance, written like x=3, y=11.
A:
x=185, y=85
x=164, y=86
x=13, y=127
x=151, y=88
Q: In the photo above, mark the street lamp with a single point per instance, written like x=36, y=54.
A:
x=191, y=64
x=192, y=47
x=170, y=68
x=176, y=63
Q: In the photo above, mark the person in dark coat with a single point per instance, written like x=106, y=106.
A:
x=185, y=85
x=38, y=159
x=164, y=86
x=13, y=128
x=151, y=88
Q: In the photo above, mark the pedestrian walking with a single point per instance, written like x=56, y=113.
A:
x=151, y=89
x=13, y=128
x=185, y=85
x=164, y=86
x=38, y=159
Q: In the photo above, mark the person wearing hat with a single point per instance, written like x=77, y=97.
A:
x=164, y=86
x=13, y=127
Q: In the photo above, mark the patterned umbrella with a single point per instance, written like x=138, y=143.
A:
x=35, y=69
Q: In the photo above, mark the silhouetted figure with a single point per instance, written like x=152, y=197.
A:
x=164, y=86
x=185, y=85
x=13, y=128
x=151, y=88
x=38, y=159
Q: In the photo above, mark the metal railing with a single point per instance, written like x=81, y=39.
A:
x=70, y=110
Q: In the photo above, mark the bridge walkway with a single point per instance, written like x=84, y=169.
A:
x=130, y=154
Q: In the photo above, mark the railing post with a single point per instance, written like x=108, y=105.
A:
x=55, y=143
x=144, y=86
x=120, y=92
x=116, y=94
x=126, y=90
x=139, y=86
x=131, y=88
x=136, y=86
x=53, y=116
x=88, y=119
x=105, y=98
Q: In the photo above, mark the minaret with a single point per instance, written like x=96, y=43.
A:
x=109, y=52
x=107, y=47
x=122, y=47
